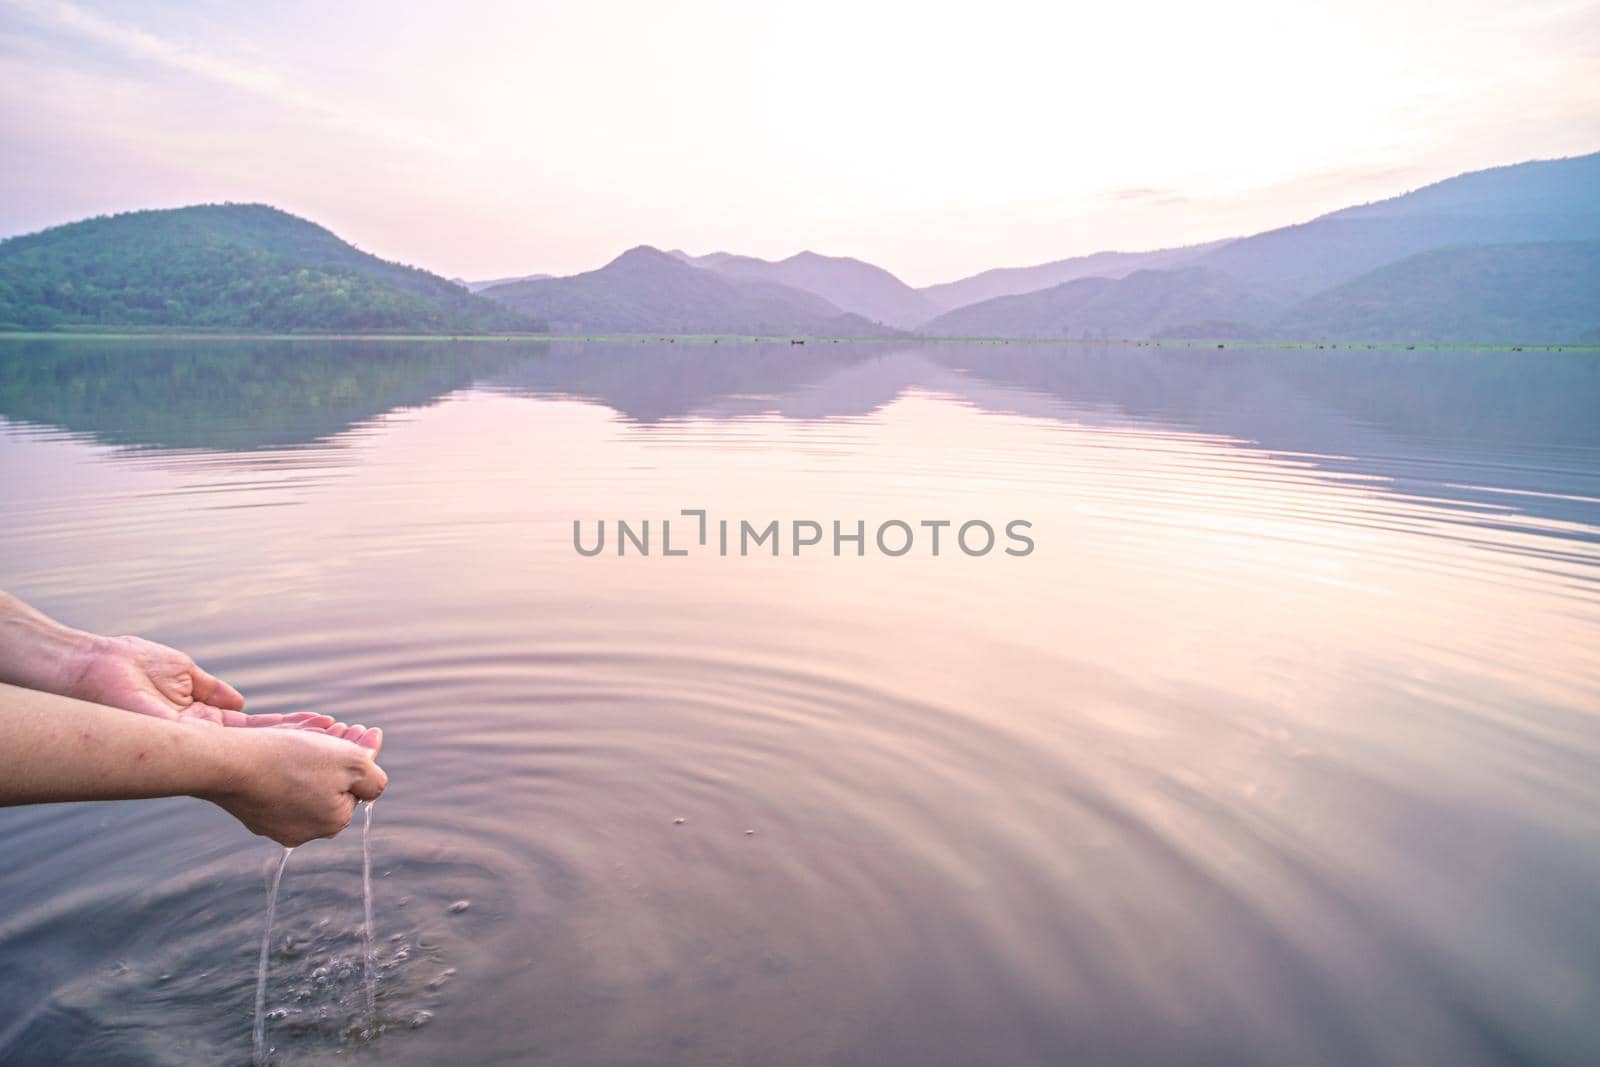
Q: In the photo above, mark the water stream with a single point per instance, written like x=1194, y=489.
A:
x=259, y=1041
x=366, y=929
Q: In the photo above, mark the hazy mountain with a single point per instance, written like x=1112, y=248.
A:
x=478, y=287
x=1009, y=281
x=1501, y=255
x=1545, y=293
x=1145, y=303
x=645, y=290
x=1548, y=200
x=228, y=266
x=848, y=284
x=1495, y=256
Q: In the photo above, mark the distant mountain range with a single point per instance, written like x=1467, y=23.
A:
x=645, y=290
x=226, y=266
x=1187, y=301
x=1426, y=266
x=1506, y=255
x=1554, y=200
x=489, y=283
x=1542, y=293
x=848, y=284
x=1013, y=281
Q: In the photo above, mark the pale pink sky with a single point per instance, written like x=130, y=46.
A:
x=483, y=139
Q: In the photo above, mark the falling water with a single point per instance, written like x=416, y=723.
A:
x=260, y=1037
x=366, y=930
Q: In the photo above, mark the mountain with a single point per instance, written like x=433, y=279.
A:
x=848, y=284
x=1010, y=281
x=1545, y=200
x=227, y=266
x=1187, y=301
x=1494, y=256
x=645, y=290
x=1543, y=293
x=478, y=287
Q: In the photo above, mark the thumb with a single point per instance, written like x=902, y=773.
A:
x=370, y=781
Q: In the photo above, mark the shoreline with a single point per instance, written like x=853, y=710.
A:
x=648, y=338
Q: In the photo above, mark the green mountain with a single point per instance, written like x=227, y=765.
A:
x=226, y=266
x=1540, y=293
x=1146, y=303
x=648, y=291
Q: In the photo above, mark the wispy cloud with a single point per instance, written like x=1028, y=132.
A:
x=1140, y=193
x=264, y=83
x=1154, y=195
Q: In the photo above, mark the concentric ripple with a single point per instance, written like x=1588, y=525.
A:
x=1280, y=748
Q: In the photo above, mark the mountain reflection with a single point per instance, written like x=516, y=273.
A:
x=1398, y=414
x=232, y=396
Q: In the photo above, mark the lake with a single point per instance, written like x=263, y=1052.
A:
x=1280, y=745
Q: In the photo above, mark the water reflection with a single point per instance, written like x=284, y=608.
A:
x=1425, y=420
x=231, y=396
x=1282, y=747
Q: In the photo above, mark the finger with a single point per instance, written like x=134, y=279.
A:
x=148, y=703
x=229, y=717
x=319, y=723
x=372, y=739
x=371, y=781
x=300, y=720
x=354, y=734
x=205, y=713
x=210, y=689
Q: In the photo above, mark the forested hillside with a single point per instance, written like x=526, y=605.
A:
x=226, y=266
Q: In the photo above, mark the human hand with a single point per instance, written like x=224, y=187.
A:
x=152, y=679
x=296, y=785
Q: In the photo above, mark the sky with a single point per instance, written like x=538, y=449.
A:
x=483, y=140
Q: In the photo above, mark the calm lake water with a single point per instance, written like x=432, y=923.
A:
x=1282, y=746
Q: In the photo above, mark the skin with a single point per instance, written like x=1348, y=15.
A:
x=131, y=673
x=65, y=699
x=37, y=652
x=289, y=785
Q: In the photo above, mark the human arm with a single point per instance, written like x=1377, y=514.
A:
x=290, y=785
x=37, y=652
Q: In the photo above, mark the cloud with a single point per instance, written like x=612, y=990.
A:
x=271, y=86
x=1148, y=193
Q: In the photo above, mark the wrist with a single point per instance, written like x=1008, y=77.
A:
x=36, y=652
x=225, y=764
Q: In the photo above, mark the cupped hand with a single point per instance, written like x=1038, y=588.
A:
x=153, y=679
x=296, y=785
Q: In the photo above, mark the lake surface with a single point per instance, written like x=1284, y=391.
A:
x=1281, y=746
